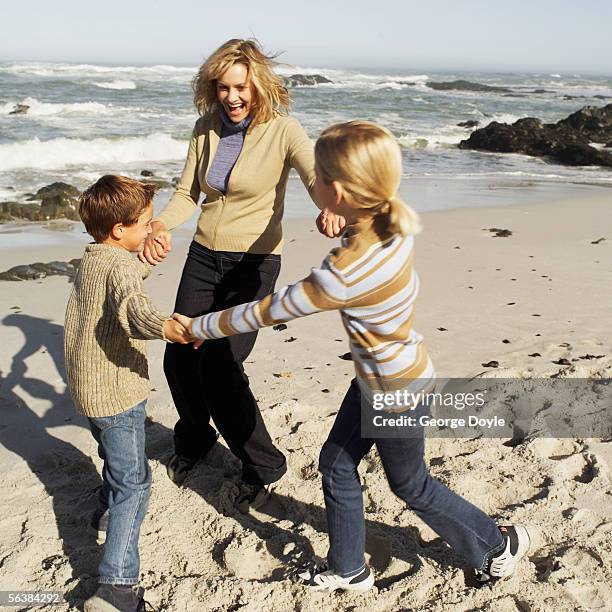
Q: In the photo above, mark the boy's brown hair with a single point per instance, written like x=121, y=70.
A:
x=113, y=199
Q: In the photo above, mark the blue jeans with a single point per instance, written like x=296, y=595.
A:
x=467, y=529
x=125, y=491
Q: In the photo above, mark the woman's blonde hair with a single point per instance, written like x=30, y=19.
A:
x=367, y=162
x=271, y=96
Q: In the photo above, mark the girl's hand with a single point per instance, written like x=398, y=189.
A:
x=330, y=224
x=157, y=244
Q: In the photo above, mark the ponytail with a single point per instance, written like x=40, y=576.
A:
x=402, y=219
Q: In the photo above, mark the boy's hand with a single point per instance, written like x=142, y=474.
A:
x=176, y=332
x=186, y=323
x=330, y=224
x=157, y=244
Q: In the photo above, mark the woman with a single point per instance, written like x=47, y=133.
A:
x=240, y=154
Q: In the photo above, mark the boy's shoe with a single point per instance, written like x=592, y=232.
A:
x=179, y=466
x=99, y=523
x=319, y=577
x=252, y=497
x=503, y=564
x=116, y=598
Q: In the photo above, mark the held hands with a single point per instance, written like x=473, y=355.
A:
x=186, y=322
x=157, y=244
x=177, y=332
x=330, y=224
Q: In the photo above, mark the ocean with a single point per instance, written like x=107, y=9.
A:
x=86, y=120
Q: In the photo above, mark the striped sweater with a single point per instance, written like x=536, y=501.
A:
x=370, y=279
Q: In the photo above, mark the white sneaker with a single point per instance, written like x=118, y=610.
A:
x=504, y=563
x=321, y=578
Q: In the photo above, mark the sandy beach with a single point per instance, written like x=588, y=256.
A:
x=545, y=289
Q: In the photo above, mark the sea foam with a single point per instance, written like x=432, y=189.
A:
x=61, y=153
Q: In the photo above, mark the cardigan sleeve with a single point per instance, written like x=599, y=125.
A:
x=184, y=202
x=300, y=155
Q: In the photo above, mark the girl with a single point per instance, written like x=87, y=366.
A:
x=370, y=279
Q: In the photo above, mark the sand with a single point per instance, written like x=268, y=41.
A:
x=199, y=554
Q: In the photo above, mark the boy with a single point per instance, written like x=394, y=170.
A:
x=108, y=319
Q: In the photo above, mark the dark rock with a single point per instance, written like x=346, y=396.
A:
x=20, y=109
x=491, y=364
x=159, y=182
x=462, y=85
x=147, y=173
x=594, y=123
x=12, y=211
x=609, y=145
x=562, y=361
x=301, y=80
x=346, y=357
x=500, y=233
x=567, y=141
x=468, y=124
x=280, y=327
x=534, y=355
x=58, y=207
x=600, y=97
x=59, y=188
x=40, y=270
x=599, y=240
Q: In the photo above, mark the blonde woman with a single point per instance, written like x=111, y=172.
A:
x=240, y=154
x=371, y=280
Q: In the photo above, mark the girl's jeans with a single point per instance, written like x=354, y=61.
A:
x=466, y=528
x=125, y=491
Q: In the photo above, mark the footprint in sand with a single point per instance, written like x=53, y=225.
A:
x=247, y=557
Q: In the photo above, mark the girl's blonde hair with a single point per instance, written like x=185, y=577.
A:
x=271, y=96
x=367, y=162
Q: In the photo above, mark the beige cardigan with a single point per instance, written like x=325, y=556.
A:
x=248, y=217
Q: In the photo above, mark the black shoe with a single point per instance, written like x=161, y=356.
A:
x=99, y=523
x=504, y=563
x=252, y=497
x=179, y=466
x=116, y=598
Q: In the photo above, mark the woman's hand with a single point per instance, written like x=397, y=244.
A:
x=330, y=224
x=157, y=244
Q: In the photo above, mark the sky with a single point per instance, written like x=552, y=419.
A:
x=405, y=35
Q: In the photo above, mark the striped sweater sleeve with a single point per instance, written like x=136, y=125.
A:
x=323, y=289
x=136, y=313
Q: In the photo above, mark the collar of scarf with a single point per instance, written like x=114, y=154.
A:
x=234, y=127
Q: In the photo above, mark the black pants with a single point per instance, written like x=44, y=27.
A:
x=210, y=382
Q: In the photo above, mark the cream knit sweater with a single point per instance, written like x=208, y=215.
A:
x=108, y=319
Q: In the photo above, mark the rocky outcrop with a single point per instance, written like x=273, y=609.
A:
x=305, y=80
x=20, y=109
x=468, y=124
x=461, y=85
x=58, y=201
x=62, y=189
x=592, y=122
x=40, y=270
x=567, y=141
